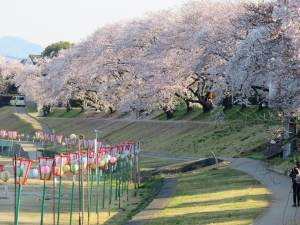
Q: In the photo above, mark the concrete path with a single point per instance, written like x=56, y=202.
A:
x=280, y=211
x=152, y=211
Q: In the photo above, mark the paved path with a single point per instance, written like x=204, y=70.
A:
x=280, y=211
x=166, y=193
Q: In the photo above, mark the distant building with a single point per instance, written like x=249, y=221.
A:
x=34, y=60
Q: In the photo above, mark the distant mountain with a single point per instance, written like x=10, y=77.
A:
x=15, y=47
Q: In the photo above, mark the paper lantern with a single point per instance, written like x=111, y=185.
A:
x=74, y=162
x=34, y=173
x=67, y=168
x=2, y=168
x=102, y=163
x=93, y=166
x=58, y=171
x=60, y=162
x=107, y=158
x=46, y=165
x=75, y=168
x=20, y=172
x=22, y=167
x=84, y=160
x=5, y=176
x=113, y=160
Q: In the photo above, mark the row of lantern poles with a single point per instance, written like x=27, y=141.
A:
x=121, y=161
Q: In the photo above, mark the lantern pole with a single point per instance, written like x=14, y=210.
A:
x=15, y=181
x=43, y=202
x=59, y=187
x=97, y=177
x=81, y=199
x=72, y=198
x=54, y=186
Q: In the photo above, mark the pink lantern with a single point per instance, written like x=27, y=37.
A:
x=46, y=165
x=113, y=160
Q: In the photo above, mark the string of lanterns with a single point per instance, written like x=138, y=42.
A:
x=95, y=164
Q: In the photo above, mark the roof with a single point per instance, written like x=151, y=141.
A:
x=34, y=60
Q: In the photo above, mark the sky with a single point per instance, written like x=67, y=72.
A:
x=47, y=21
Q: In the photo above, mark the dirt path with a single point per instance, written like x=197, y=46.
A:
x=166, y=193
x=280, y=211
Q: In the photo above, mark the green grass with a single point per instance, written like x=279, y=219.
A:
x=177, y=138
x=283, y=165
x=148, y=163
x=147, y=191
x=10, y=121
x=220, y=197
x=228, y=138
x=63, y=113
x=236, y=113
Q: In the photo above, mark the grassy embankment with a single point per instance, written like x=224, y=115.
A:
x=195, y=134
x=219, y=197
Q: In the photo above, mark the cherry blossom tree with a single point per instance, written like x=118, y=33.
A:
x=8, y=70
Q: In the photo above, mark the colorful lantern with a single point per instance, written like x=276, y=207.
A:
x=22, y=167
x=46, y=165
x=34, y=173
x=4, y=176
x=60, y=162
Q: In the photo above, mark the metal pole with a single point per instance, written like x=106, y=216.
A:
x=87, y=184
x=79, y=186
x=97, y=177
x=15, y=179
x=54, y=195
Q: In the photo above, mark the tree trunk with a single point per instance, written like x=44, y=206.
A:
x=227, y=103
x=188, y=106
x=83, y=105
x=46, y=110
x=169, y=113
x=68, y=106
x=207, y=106
x=290, y=130
x=206, y=102
x=111, y=110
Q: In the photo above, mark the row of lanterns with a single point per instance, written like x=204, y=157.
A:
x=75, y=163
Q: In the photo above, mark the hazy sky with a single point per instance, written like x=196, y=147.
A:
x=47, y=21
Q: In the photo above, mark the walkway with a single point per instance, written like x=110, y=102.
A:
x=166, y=193
x=280, y=211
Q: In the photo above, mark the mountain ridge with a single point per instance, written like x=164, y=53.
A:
x=18, y=48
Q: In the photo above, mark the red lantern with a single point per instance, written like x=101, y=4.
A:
x=22, y=166
x=46, y=165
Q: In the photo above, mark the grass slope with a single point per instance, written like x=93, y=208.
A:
x=219, y=197
x=240, y=131
x=9, y=121
x=183, y=137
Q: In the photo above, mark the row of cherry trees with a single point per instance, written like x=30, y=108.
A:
x=202, y=53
